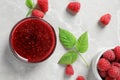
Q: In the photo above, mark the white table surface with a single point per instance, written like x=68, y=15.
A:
x=11, y=11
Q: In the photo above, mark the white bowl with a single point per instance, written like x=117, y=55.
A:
x=93, y=72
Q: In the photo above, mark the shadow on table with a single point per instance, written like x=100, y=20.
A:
x=16, y=66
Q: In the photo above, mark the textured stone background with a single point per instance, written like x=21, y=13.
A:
x=11, y=11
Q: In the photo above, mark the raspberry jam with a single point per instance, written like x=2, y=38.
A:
x=33, y=40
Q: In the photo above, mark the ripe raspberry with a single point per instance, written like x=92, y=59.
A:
x=117, y=60
x=116, y=64
x=37, y=13
x=105, y=19
x=109, y=78
x=74, y=7
x=114, y=72
x=109, y=55
x=80, y=78
x=103, y=64
x=117, y=52
x=103, y=74
x=69, y=70
x=118, y=78
x=43, y=5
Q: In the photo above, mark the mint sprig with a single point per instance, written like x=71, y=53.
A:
x=79, y=46
x=67, y=39
x=30, y=5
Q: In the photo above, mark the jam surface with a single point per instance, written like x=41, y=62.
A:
x=33, y=39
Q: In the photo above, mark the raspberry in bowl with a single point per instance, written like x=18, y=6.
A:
x=32, y=40
x=106, y=65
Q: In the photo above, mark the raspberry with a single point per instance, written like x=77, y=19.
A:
x=74, y=7
x=109, y=78
x=103, y=64
x=37, y=13
x=117, y=60
x=114, y=72
x=116, y=64
x=109, y=55
x=43, y=5
x=69, y=70
x=80, y=78
x=103, y=74
x=117, y=52
x=118, y=78
x=105, y=19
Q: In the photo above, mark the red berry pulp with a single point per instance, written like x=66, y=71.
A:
x=33, y=39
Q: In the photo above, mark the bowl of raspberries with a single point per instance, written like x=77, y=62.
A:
x=106, y=66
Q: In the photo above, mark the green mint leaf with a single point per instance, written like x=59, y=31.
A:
x=29, y=12
x=29, y=4
x=68, y=58
x=67, y=39
x=82, y=43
